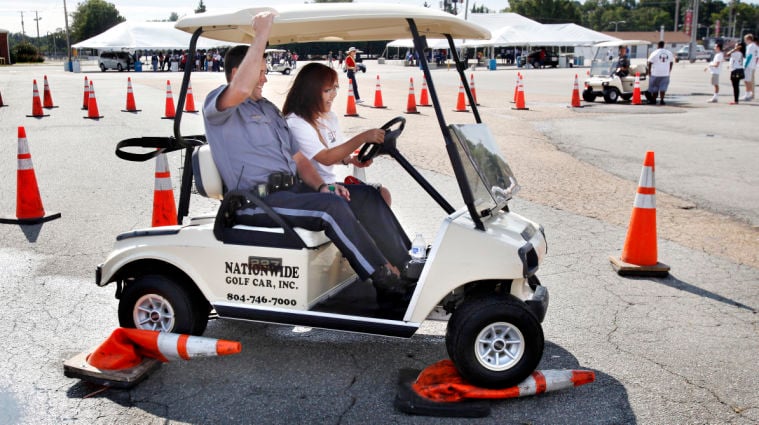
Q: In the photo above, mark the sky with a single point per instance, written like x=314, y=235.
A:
x=51, y=15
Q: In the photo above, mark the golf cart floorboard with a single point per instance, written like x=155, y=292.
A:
x=358, y=299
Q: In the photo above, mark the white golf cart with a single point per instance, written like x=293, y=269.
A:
x=603, y=82
x=276, y=61
x=480, y=269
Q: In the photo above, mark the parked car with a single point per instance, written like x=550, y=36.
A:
x=533, y=59
x=115, y=60
x=701, y=54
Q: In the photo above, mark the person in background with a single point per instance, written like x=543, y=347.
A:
x=736, y=69
x=308, y=110
x=659, y=67
x=252, y=147
x=714, y=70
x=350, y=67
x=749, y=65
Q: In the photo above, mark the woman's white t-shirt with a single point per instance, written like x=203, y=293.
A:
x=308, y=140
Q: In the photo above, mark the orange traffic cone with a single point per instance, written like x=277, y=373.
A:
x=473, y=90
x=411, y=100
x=576, y=94
x=164, y=207
x=92, y=105
x=639, y=254
x=170, y=112
x=460, y=104
x=189, y=105
x=47, y=98
x=350, y=110
x=516, y=88
x=636, y=90
x=86, y=96
x=29, y=209
x=36, y=103
x=378, y=96
x=125, y=348
x=424, y=99
x=130, y=105
x=441, y=382
x=1, y=100
x=520, y=96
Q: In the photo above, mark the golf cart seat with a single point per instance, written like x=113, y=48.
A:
x=640, y=68
x=208, y=182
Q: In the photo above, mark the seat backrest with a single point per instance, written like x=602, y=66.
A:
x=642, y=68
x=208, y=181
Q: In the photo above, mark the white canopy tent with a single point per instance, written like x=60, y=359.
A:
x=145, y=36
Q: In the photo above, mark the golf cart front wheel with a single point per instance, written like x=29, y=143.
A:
x=494, y=341
x=159, y=303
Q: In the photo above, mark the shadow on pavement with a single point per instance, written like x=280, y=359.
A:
x=296, y=375
x=676, y=283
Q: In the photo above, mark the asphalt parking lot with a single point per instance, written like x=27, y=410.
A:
x=679, y=349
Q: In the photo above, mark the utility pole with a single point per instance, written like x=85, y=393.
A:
x=23, y=32
x=37, y=19
x=693, y=32
x=68, y=38
x=677, y=14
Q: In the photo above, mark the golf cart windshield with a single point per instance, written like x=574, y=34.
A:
x=488, y=175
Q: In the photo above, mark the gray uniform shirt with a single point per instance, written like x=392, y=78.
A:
x=248, y=142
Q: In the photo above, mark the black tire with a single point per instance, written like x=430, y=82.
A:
x=588, y=95
x=514, y=341
x=611, y=95
x=286, y=71
x=158, y=302
x=119, y=67
x=627, y=96
x=102, y=67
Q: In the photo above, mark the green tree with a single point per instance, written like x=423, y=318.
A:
x=173, y=17
x=201, y=7
x=92, y=18
x=548, y=11
x=25, y=52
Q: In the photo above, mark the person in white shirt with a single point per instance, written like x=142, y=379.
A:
x=752, y=54
x=315, y=128
x=659, y=66
x=714, y=68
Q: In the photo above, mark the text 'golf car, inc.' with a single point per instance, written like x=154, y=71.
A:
x=481, y=267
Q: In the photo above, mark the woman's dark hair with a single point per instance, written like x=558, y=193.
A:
x=305, y=96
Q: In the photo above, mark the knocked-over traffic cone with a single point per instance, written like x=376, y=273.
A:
x=164, y=207
x=92, y=105
x=520, y=96
x=576, y=94
x=639, y=254
x=130, y=105
x=516, y=88
x=189, y=105
x=169, y=112
x=473, y=90
x=460, y=103
x=47, y=97
x=378, y=95
x=350, y=110
x=424, y=99
x=125, y=348
x=36, y=103
x=439, y=390
x=411, y=100
x=29, y=209
x=636, y=90
x=86, y=96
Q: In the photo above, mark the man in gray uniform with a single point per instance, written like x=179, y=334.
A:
x=250, y=141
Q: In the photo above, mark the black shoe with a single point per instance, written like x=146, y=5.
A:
x=392, y=290
x=661, y=102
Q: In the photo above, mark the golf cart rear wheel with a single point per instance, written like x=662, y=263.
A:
x=611, y=95
x=588, y=95
x=157, y=302
x=494, y=341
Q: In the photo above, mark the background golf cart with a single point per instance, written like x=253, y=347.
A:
x=604, y=83
x=480, y=269
x=276, y=61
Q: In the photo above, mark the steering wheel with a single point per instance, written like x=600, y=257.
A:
x=371, y=150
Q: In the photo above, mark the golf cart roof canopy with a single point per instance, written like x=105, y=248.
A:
x=301, y=23
x=617, y=43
